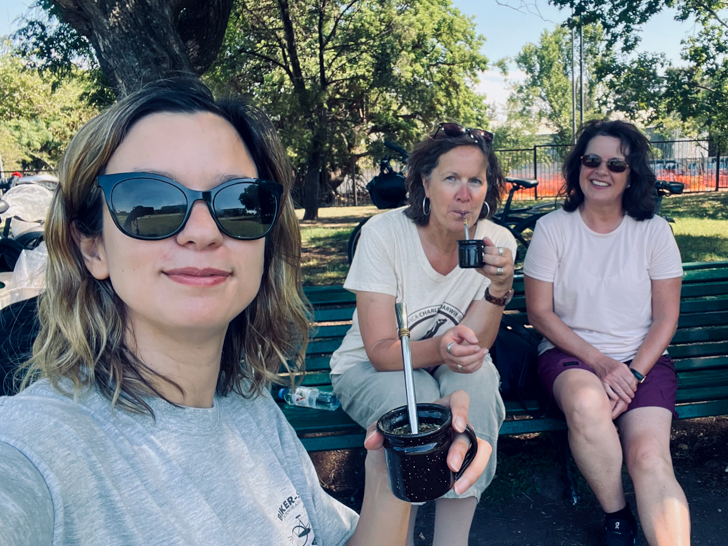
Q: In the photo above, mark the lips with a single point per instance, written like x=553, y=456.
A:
x=193, y=276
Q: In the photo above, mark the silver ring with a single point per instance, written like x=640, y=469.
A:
x=448, y=348
x=460, y=367
x=500, y=251
x=499, y=271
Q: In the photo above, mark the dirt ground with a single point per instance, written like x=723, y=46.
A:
x=525, y=504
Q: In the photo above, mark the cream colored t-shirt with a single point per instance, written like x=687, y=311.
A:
x=390, y=260
x=602, y=282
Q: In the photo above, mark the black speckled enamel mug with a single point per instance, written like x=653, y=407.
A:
x=470, y=253
x=417, y=463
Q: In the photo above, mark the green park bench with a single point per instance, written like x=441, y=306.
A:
x=699, y=349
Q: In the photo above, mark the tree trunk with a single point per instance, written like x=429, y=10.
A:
x=312, y=184
x=138, y=41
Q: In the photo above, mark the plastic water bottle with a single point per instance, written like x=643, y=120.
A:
x=310, y=397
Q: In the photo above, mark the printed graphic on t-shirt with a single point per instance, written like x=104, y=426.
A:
x=434, y=320
x=295, y=522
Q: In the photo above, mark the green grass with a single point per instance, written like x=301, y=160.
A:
x=701, y=231
x=325, y=258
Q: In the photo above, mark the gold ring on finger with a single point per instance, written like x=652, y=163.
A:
x=499, y=271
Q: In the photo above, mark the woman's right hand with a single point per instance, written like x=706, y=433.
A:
x=618, y=381
x=465, y=355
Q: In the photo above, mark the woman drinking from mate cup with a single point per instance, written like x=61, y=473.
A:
x=151, y=421
x=603, y=280
x=410, y=255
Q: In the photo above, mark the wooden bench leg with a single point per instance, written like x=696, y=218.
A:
x=560, y=440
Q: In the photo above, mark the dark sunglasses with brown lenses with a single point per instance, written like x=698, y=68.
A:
x=592, y=161
x=453, y=130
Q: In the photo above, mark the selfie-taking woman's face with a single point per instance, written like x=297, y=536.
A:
x=457, y=186
x=198, y=279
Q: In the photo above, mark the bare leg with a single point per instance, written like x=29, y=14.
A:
x=661, y=503
x=593, y=438
x=411, y=529
x=452, y=521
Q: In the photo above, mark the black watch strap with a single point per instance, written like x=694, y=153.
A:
x=640, y=378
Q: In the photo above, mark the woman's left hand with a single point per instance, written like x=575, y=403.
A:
x=458, y=402
x=498, y=267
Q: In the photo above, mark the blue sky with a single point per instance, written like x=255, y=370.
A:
x=506, y=30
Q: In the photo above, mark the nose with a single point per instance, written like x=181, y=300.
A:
x=602, y=167
x=463, y=193
x=200, y=231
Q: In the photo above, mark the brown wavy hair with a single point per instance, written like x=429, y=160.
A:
x=83, y=321
x=425, y=157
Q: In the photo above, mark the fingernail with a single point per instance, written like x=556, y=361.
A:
x=457, y=461
x=461, y=486
x=369, y=435
x=459, y=424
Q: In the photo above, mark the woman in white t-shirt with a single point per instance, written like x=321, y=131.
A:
x=173, y=296
x=410, y=255
x=603, y=280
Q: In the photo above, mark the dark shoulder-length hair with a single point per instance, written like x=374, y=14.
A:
x=638, y=199
x=425, y=157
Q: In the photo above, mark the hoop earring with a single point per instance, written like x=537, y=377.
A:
x=487, y=205
x=425, y=206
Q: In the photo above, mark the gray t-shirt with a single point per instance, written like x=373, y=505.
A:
x=76, y=473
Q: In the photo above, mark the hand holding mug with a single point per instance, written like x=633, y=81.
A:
x=453, y=461
x=498, y=267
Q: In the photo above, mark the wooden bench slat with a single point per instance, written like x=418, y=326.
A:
x=704, y=305
x=686, y=364
x=333, y=315
x=703, y=319
x=693, y=335
x=699, y=349
x=704, y=289
x=717, y=274
x=702, y=394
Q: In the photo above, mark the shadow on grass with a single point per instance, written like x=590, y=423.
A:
x=699, y=248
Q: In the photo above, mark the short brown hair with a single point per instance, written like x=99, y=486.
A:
x=425, y=157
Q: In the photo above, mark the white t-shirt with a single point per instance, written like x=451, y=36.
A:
x=390, y=260
x=602, y=281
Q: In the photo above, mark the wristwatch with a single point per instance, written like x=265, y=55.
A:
x=504, y=300
x=640, y=378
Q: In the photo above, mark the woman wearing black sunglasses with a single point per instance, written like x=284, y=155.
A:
x=410, y=255
x=603, y=280
x=173, y=297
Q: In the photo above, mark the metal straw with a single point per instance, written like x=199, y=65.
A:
x=467, y=231
x=404, y=336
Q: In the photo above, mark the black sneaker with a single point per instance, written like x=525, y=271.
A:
x=619, y=532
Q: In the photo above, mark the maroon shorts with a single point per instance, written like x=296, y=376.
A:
x=658, y=389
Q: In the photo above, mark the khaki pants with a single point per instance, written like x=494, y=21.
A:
x=367, y=394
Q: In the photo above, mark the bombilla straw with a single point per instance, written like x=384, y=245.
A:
x=467, y=231
x=404, y=336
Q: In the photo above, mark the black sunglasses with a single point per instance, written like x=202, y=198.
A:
x=151, y=207
x=453, y=130
x=592, y=161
